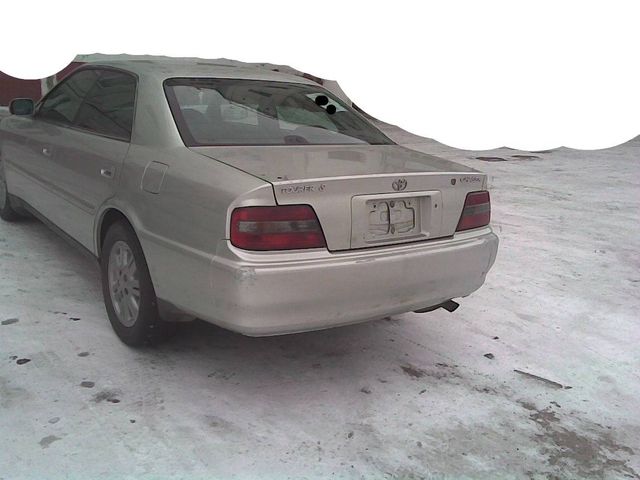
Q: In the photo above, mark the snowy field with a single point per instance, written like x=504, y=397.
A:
x=536, y=375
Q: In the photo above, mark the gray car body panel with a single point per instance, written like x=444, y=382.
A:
x=179, y=200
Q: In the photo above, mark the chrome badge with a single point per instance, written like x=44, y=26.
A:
x=399, y=184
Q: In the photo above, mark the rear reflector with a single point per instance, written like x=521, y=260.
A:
x=476, y=212
x=287, y=227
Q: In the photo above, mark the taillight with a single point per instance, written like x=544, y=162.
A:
x=285, y=227
x=476, y=212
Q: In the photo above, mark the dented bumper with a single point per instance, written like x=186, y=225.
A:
x=274, y=293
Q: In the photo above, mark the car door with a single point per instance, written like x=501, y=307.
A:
x=88, y=156
x=31, y=142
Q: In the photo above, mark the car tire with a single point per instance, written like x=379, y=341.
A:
x=7, y=212
x=126, y=283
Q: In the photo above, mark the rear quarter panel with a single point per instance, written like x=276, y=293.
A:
x=180, y=226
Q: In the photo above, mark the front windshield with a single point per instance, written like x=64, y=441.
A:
x=254, y=112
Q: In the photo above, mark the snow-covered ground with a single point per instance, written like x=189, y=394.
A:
x=413, y=396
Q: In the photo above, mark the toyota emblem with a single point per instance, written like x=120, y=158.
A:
x=399, y=184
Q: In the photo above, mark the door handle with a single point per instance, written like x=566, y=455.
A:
x=46, y=151
x=105, y=172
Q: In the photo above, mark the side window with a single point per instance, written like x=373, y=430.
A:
x=62, y=104
x=108, y=107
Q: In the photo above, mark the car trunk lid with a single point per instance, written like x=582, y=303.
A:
x=364, y=196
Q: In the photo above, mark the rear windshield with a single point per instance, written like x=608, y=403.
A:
x=255, y=112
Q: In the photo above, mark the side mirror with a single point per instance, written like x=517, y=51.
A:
x=21, y=106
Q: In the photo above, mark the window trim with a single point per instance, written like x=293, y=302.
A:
x=72, y=126
x=178, y=118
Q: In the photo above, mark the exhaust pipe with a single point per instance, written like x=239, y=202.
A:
x=449, y=306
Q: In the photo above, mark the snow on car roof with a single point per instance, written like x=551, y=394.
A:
x=171, y=68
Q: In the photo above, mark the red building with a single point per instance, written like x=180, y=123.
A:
x=11, y=87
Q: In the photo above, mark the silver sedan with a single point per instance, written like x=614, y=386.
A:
x=252, y=199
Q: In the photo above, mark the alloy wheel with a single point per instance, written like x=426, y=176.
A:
x=124, y=283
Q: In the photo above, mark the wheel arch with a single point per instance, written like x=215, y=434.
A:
x=108, y=217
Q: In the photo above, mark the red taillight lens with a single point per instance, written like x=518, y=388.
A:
x=286, y=227
x=476, y=212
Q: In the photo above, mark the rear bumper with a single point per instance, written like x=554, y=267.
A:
x=265, y=294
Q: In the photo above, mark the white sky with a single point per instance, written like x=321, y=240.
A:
x=472, y=74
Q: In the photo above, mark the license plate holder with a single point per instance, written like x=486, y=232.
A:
x=394, y=218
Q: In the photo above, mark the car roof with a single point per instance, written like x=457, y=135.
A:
x=175, y=68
